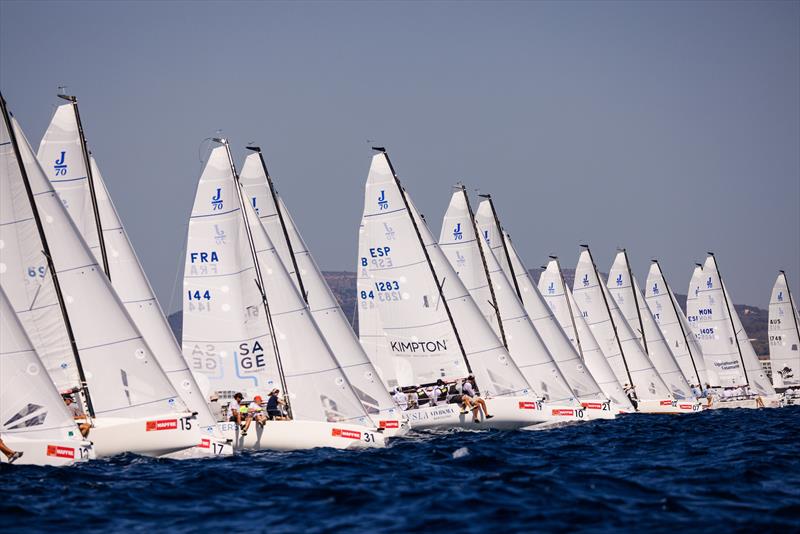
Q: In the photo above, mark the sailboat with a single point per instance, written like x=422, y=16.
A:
x=480, y=272
x=80, y=186
x=79, y=327
x=675, y=328
x=418, y=323
x=560, y=300
x=710, y=312
x=573, y=368
x=618, y=342
x=247, y=329
x=258, y=188
x=625, y=290
x=33, y=418
x=784, y=340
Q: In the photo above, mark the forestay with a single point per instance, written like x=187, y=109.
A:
x=327, y=314
x=29, y=404
x=628, y=297
x=124, y=378
x=784, y=336
x=559, y=299
x=69, y=178
x=675, y=328
x=612, y=332
x=428, y=338
x=229, y=333
x=498, y=302
x=579, y=378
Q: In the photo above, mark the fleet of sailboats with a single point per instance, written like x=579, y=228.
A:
x=452, y=333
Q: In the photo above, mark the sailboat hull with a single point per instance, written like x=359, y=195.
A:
x=54, y=452
x=301, y=435
x=769, y=401
x=669, y=406
x=209, y=447
x=149, y=436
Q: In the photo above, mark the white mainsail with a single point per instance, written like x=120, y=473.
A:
x=428, y=337
x=784, y=335
x=676, y=330
x=612, y=332
x=498, y=302
x=238, y=337
x=123, y=376
x=560, y=300
x=61, y=149
x=625, y=291
x=297, y=259
x=30, y=406
x=578, y=374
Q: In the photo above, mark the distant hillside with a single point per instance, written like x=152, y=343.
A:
x=343, y=285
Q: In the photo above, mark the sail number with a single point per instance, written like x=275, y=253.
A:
x=39, y=271
x=386, y=292
x=387, y=286
x=197, y=295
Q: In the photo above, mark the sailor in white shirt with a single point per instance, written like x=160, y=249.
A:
x=400, y=398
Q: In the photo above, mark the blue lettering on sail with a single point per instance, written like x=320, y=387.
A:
x=457, y=233
x=655, y=289
x=382, y=202
x=551, y=289
x=219, y=235
x=216, y=200
x=204, y=257
x=486, y=237
x=585, y=280
x=388, y=232
x=780, y=295
x=60, y=167
x=258, y=212
x=619, y=281
x=709, y=283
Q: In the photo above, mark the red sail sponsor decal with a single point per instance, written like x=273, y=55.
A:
x=162, y=424
x=205, y=443
x=685, y=406
x=527, y=405
x=592, y=405
x=389, y=424
x=60, y=452
x=567, y=412
x=344, y=433
x=666, y=403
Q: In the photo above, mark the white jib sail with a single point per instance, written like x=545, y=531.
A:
x=631, y=303
x=424, y=339
x=559, y=299
x=576, y=372
x=124, y=377
x=623, y=351
x=227, y=332
x=784, y=335
x=508, y=319
x=674, y=326
x=61, y=144
x=324, y=307
x=29, y=403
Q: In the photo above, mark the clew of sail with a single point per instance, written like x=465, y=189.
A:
x=429, y=337
x=628, y=298
x=784, y=335
x=327, y=314
x=612, y=332
x=499, y=304
x=559, y=299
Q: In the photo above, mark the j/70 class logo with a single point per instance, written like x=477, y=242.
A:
x=216, y=200
x=382, y=202
x=60, y=167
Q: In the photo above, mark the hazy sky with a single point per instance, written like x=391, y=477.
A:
x=668, y=128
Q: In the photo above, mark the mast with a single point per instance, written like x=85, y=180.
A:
x=793, y=310
x=503, y=242
x=611, y=317
x=90, y=177
x=439, y=286
x=259, y=280
x=680, y=323
x=478, y=236
x=636, y=300
x=274, y=195
x=730, y=317
x=569, y=306
x=46, y=251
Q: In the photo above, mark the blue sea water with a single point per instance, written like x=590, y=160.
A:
x=720, y=471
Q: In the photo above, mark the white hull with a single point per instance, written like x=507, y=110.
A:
x=55, y=452
x=772, y=401
x=209, y=447
x=669, y=406
x=300, y=435
x=149, y=436
x=600, y=410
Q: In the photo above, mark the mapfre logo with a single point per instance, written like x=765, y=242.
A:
x=592, y=405
x=60, y=452
x=685, y=406
x=163, y=424
x=205, y=443
x=389, y=424
x=563, y=412
x=527, y=405
x=344, y=433
x=666, y=403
